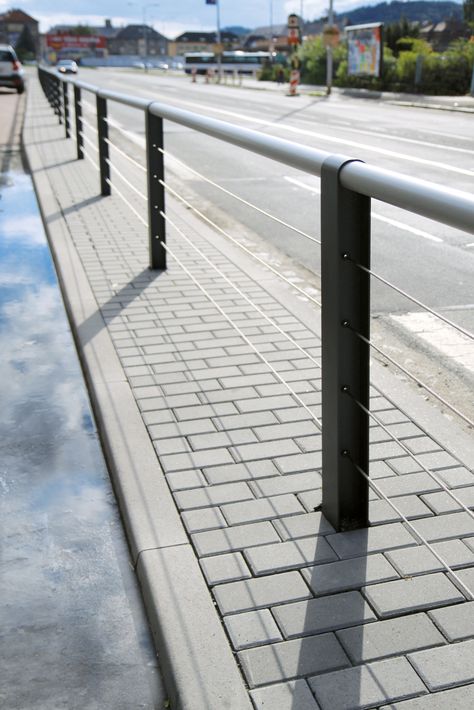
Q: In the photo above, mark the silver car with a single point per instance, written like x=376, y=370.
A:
x=11, y=71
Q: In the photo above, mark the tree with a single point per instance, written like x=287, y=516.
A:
x=395, y=31
x=468, y=12
x=25, y=46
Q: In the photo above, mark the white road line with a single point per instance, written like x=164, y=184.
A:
x=375, y=215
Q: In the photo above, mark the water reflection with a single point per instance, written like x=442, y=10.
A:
x=72, y=632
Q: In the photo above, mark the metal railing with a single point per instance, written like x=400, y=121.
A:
x=347, y=186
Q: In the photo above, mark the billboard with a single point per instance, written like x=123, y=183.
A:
x=63, y=40
x=365, y=49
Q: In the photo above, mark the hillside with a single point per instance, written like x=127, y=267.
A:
x=420, y=10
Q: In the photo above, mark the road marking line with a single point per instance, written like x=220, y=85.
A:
x=375, y=215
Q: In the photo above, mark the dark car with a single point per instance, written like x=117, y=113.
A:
x=67, y=66
x=11, y=71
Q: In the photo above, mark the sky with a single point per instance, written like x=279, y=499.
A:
x=172, y=17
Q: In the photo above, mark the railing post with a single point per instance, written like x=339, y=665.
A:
x=156, y=191
x=78, y=116
x=103, y=134
x=57, y=99
x=66, y=109
x=345, y=239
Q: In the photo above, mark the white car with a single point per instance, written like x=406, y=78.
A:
x=11, y=71
x=67, y=66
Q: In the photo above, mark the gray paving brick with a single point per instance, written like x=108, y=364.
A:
x=445, y=527
x=233, y=539
x=393, y=637
x=294, y=483
x=240, y=471
x=456, y=622
x=307, y=525
x=225, y=568
x=385, y=450
x=356, y=543
x=404, y=465
x=413, y=594
x=278, y=431
x=284, y=696
x=203, y=519
x=293, y=414
x=221, y=438
x=229, y=395
x=441, y=459
x=317, y=616
x=299, y=462
x=181, y=480
x=444, y=502
x=252, y=628
x=367, y=686
x=251, y=594
x=173, y=445
x=310, y=444
x=241, y=421
x=266, y=403
x=408, y=484
x=380, y=511
x=261, y=509
x=289, y=555
x=172, y=429
x=349, y=574
x=212, y=495
x=420, y=560
x=445, y=667
x=310, y=499
x=292, y=659
x=457, y=698
x=456, y=477
x=195, y=459
x=264, y=450
x=205, y=411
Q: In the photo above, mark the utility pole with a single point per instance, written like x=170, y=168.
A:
x=329, y=70
x=218, y=35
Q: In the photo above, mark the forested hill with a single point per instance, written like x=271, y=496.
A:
x=419, y=10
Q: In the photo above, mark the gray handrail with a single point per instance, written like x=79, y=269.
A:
x=454, y=208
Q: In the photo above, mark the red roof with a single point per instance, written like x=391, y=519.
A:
x=15, y=15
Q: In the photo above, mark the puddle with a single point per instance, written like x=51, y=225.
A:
x=72, y=630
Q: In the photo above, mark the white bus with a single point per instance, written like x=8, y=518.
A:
x=238, y=61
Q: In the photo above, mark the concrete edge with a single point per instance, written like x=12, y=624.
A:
x=199, y=667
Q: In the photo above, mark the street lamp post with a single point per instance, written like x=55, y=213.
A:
x=329, y=69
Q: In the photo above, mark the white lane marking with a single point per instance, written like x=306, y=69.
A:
x=331, y=139
x=471, y=244
x=375, y=215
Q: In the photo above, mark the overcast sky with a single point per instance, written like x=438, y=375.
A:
x=171, y=17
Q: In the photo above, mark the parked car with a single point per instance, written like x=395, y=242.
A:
x=11, y=71
x=66, y=66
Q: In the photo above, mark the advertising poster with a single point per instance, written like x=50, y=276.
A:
x=365, y=49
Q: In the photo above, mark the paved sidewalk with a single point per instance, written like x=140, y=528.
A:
x=254, y=600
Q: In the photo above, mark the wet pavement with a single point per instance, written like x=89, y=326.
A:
x=73, y=633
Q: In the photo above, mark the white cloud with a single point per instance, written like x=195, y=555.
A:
x=27, y=229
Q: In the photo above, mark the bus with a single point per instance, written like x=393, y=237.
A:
x=237, y=61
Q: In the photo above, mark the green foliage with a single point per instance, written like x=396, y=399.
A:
x=468, y=12
x=312, y=55
x=25, y=46
x=394, y=32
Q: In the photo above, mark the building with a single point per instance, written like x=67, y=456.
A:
x=202, y=42
x=18, y=28
x=141, y=40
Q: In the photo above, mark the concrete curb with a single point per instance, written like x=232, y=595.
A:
x=199, y=668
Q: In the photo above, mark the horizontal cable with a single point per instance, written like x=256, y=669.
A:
x=423, y=540
x=92, y=145
x=127, y=182
x=433, y=475
x=89, y=125
x=91, y=161
x=237, y=243
x=112, y=145
x=240, y=292
x=415, y=379
x=240, y=199
x=415, y=300
x=127, y=203
x=242, y=334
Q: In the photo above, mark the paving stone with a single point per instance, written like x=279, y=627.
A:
x=356, y=543
x=205, y=411
x=420, y=560
x=445, y=527
x=181, y=480
x=289, y=555
x=441, y=459
x=294, y=483
x=229, y=395
x=381, y=512
x=457, y=699
x=311, y=499
x=165, y=431
x=279, y=431
x=456, y=477
x=456, y=622
x=212, y=495
x=294, y=695
x=414, y=594
x=233, y=539
x=173, y=445
x=349, y=574
x=292, y=659
x=241, y=421
x=385, y=450
x=367, y=686
x=251, y=594
x=393, y=637
x=225, y=568
x=203, y=519
x=293, y=414
x=240, y=471
x=445, y=667
x=300, y=462
x=408, y=484
x=221, y=438
x=261, y=509
x=317, y=616
x=264, y=450
x=253, y=628
x=307, y=525
x=443, y=502
x=195, y=459
x=266, y=403
x=404, y=465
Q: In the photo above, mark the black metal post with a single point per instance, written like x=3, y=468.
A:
x=66, y=109
x=103, y=134
x=345, y=235
x=78, y=115
x=57, y=99
x=156, y=191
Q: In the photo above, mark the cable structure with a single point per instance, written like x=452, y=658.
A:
x=128, y=203
x=89, y=125
x=91, y=162
x=242, y=334
x=237, y=243
x=127, y=182
x=240, y=199
x=415, y=379
x=87, y=140
x=134, y=162
x=240, y=292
